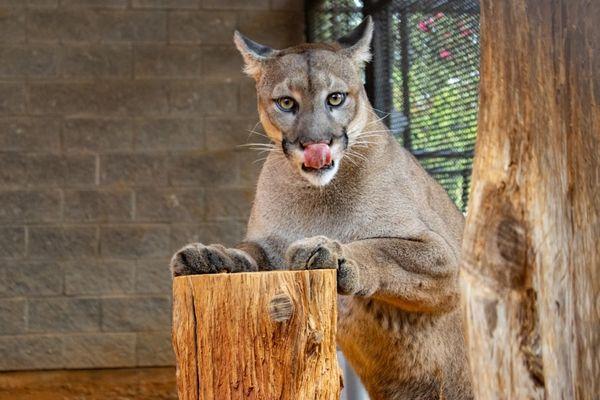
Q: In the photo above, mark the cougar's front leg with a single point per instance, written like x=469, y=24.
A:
x=415, y=274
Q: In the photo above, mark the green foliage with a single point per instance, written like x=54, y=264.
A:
x=443, y=78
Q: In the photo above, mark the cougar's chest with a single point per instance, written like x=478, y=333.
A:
x=341, y=219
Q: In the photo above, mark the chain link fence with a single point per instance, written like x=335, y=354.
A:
x=423, y=78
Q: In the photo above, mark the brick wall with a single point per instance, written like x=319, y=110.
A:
x=119, y=121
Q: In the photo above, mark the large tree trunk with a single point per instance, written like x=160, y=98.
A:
x=531, y=247
x=265, y=335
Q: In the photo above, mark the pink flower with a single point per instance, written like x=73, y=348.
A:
x=465, y=32
x=423, y=26
x=439, y=15
x=445, y=53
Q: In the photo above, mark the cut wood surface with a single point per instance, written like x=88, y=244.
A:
x=264, y=335
x=531, y=247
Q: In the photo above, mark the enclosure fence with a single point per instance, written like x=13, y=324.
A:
x=423, y=79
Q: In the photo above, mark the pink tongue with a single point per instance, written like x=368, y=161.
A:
x=317, y=155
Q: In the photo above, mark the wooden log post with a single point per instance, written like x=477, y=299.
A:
x=531, y=249
x=265, y=335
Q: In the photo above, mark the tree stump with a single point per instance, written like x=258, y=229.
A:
x=264, y=335
x=531, y=250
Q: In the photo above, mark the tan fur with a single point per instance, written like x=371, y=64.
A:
x=387, y=227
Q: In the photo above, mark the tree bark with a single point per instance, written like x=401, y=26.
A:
x=266, y=335
x=532, y=239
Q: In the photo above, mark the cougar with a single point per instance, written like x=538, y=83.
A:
x=338, y=191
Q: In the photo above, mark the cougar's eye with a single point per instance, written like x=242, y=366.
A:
x=336, y=99
x=286, y=104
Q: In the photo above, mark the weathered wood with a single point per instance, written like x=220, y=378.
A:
x=532, y=239
x=91, y=384
x=265, y=335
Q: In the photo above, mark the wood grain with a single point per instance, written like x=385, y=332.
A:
x=266, y=335
x=532, y=239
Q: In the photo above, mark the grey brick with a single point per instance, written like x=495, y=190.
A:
x=12, y=241
x=187, y=97
x=44, y=25
x=30, y=205
x=278, y=29
x=25, y=278
x=120, y=122
x=237, y=4
x=106, y=61
x=153, y=276
x=29, y=134
x=168, y=134
x=136, y=314
x=12, y=98
x=12, y=25
x=42, y=3
x=94, y=3
x=49, y=315
x=62, y=242
x=248, y=99
x=107, y=98
x=28, y=61
x=92, y=25
x=220, y=98
x=227, y=233
x=231, y=133
x=229, y=203
x=169, y=205
x=173, y=4
x=249, y=165
x=154, y=349
x=31, y=352
x=46, y=169
x=83, y=134
x=195, y=98
x=12, y=316
x=202, y=27
x=138, y=169
x=222, y=63
x=204, y=169
x=161, y=60
x=85, y=277
x=133, y=26
x=98, y=205
x=99, y=350
x=135, y=241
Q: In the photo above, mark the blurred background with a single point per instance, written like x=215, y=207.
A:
x=120, y=126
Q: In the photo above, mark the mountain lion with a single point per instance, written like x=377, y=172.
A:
x=338, y=191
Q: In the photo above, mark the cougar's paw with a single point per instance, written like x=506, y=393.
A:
x=197, y=258
x=320, y=252
x=317, y=252
x=347, y=278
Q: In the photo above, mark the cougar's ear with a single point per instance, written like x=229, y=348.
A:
x=357, y=43
x=254, y=54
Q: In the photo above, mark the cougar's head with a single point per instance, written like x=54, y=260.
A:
x=311, y=99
